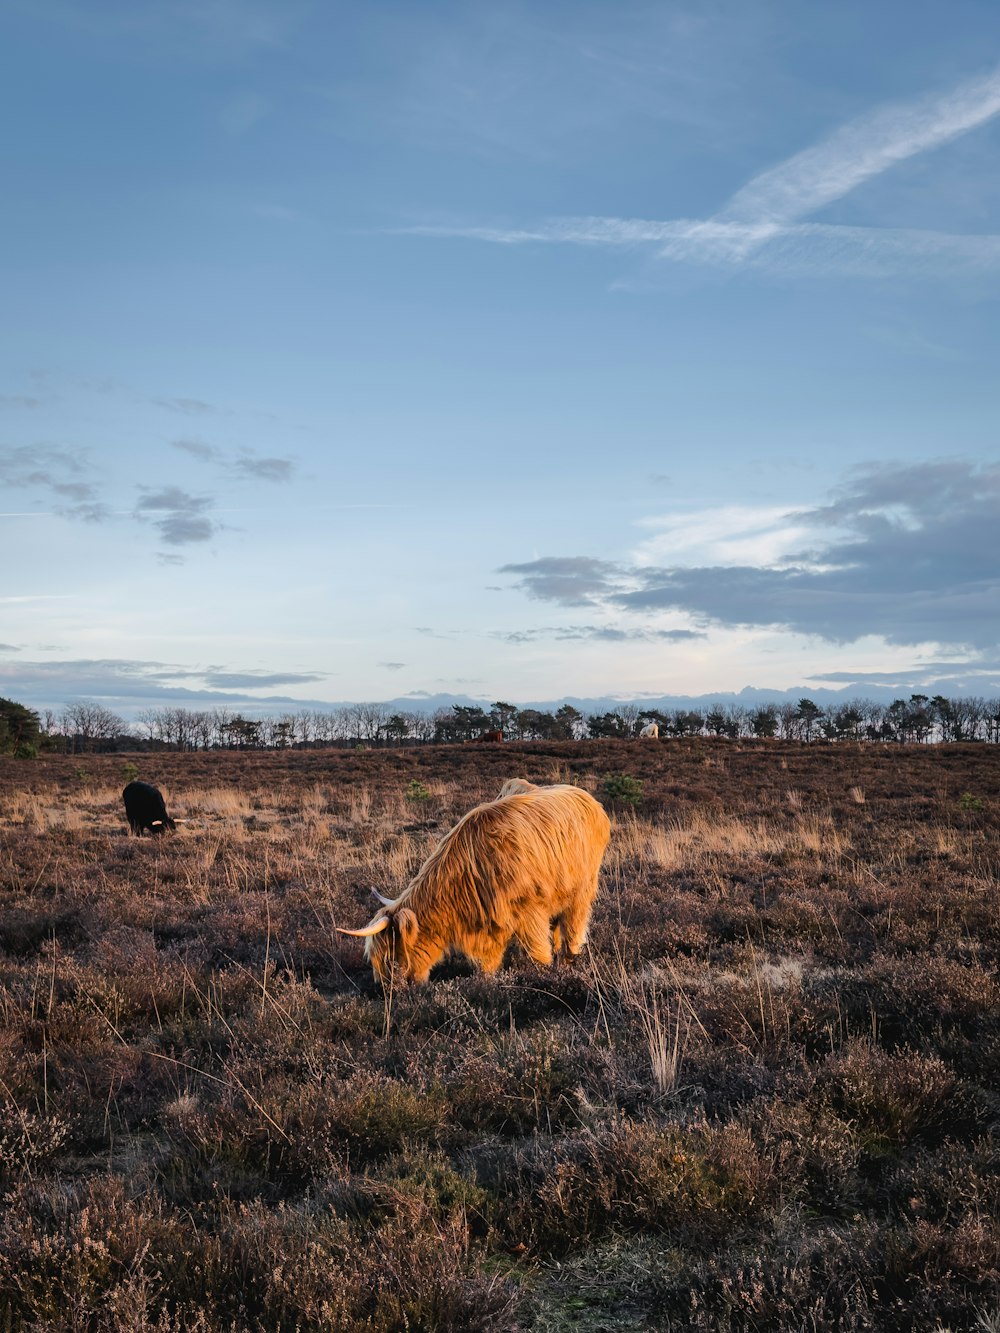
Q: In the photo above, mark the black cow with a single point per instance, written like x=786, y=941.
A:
x=145, y=809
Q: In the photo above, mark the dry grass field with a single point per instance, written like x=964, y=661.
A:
x=767, y=1097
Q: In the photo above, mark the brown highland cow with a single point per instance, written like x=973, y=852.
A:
x=522, y=867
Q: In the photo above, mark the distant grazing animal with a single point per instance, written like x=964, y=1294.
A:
x=145, y=808
x=523, y=867
x=487, y=738
x=650, y=732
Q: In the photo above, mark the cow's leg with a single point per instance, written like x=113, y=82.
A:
x=557, y=938
x=535, y=935
x=575, y=920
x=490, y=954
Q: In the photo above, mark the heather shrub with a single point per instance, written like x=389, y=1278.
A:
x=819, y=1154
x=890, y=1100
x=91, y=1256
x=914, y=1000
x=807, y=1278
x=273, y=1142
x=696, y=1183
x=528, y=1084
x=27, y=1141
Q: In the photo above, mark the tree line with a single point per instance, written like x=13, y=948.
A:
x=85, y=727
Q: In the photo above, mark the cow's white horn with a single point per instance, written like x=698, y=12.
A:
x=386, y=902
x=375, y=928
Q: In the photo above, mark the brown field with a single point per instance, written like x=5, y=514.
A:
x=767, y=1097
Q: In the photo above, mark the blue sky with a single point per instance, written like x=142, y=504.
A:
x=354, y=351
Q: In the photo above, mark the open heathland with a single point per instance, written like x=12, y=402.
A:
x=766, y=1097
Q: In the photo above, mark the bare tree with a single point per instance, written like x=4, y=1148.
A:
x=179, y=727
x=788, y=722
x=365, y=722
x=421, y=726
x=91, y=726
x=202, y=729
x=304, y=726
x=631, y=715
x=149, y=720
x=221, y=723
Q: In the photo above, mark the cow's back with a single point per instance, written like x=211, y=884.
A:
x=540, y=847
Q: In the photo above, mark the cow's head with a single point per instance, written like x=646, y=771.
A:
x=390, y=943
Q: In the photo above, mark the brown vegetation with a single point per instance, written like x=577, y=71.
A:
x=764, y=1098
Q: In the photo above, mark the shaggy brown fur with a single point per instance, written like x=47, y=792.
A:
x=524, y=867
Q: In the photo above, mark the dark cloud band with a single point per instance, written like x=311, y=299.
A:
x=908, y=553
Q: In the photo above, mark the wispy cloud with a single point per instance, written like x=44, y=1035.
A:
x=242, y=464
x=20, y=400
x=725, y=534
x=197, y=449
x=806, y=247
x=90, y=511
x=864, y=148
x=575, y=580
x=133, y=683
x=921, y=675
x=762, y=223
x=180, y=517
x=252, y=680
x=263, y=469
x=597, y=634
x=820, y=248
x=66, y=482
x=188, y=407
x=60, y=472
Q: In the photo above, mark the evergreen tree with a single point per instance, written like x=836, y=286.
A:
x=20, y=729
